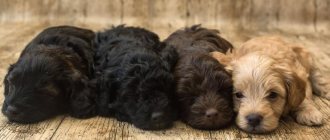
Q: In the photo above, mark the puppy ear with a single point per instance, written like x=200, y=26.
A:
x=224, y=59
x=229, y=68
x=295, y=87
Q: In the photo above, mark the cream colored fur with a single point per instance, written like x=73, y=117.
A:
x=268, y=64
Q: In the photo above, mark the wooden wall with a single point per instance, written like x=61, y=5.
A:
x=296, y=16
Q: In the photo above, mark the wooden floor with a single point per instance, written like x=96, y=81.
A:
x=13, y=38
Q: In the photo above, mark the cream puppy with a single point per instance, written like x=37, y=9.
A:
x=271, y=79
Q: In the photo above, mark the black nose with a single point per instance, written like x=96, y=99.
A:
x=157, y=116
x=254, y=119
x=11, y=111
x=211, y=113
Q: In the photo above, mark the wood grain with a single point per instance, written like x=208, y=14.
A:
x=15, y=37
x=306, y=22
x=305, y=16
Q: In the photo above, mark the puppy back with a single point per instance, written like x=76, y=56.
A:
x=65, y=38
x=122, y=33
x=84, y=34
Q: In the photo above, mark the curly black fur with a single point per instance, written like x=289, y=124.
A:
x=203, y=86
x=135, y=79
x=52, y=77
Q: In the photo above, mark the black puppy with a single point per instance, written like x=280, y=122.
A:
x=203, y=85
x=134, y=73
x=51, y=77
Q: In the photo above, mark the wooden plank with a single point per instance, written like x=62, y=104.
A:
x=94, y=128
x=109, y=128
x=135, y=12
x=306, y=16
x=201, y=12
x=164, y=23
x=179, y=131
x=322, y=16
x=106, y=12
x=43, y=130
x=302, y=12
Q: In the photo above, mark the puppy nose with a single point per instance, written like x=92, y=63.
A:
x=211, y=113
x=11, y=110
x=156, y=116
x=254, y=119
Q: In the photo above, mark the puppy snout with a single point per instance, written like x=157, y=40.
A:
x=11, y=111
x=157, y=116
x=254, y=119
x=211, y=113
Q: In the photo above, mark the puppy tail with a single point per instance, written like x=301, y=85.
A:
x=320, y=75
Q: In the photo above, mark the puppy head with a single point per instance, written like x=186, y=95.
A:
x=204, y=92
x=45, y=82
x=31, y=94
x=263, y=91
x=146, y=97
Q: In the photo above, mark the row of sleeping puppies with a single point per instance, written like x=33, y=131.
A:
x=194, y=75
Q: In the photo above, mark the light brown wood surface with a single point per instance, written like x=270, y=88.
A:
x=306, y=22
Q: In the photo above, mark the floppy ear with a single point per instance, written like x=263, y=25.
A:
x=295, y=87
x=224, y=59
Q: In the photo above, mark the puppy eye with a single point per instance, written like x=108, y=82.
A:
x=239, y=95
x=9, y=82
x=272, y=95
x=10, y=88
x=9, y=79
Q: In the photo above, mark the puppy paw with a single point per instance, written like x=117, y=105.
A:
x=309, y=117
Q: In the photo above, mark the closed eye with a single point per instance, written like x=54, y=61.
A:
x=9, y=81
x=10, y=89
x=272, y=95
x=11, y=77
x=239, y=95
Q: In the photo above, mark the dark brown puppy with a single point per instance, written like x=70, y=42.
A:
x=51, y=77
x=203, y=86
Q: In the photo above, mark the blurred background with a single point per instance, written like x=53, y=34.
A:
x=292, y=16
x=305, y=22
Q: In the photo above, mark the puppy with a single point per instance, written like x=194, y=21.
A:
x=51, y=77
x=203, y=86
x=134, y=71
x=271, y=79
